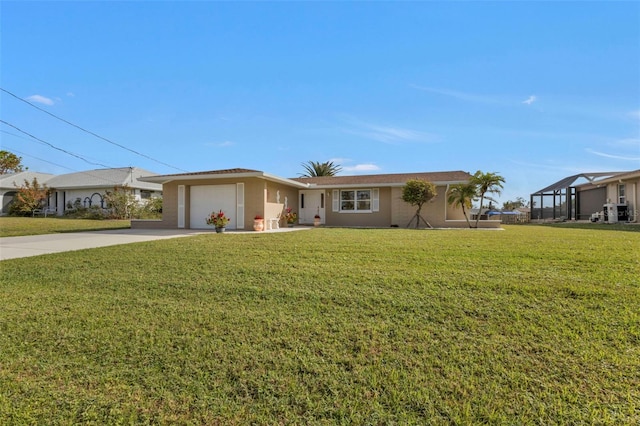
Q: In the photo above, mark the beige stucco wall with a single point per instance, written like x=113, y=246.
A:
x=437, y=212
x=268, y=199
x=260, y=198
x=632, y=195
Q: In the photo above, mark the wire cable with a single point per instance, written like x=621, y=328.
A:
x=55, y=147
x=90, y=132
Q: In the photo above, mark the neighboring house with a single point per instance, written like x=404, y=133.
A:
x=566, y=200
x=89, y=187
x=352, y=201
x=10, y=184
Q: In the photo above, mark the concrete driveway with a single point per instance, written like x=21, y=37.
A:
x=34, y=245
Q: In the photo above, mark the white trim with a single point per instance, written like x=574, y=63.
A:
x=240, y=205
x=335, y=205
x=181, y=202
x=209, y=176
x=375, y=199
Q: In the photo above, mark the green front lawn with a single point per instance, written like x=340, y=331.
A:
x=17, y=226
x=531, y=325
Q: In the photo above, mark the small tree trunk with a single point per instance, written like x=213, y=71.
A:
x=464, y=212
x=480, y=210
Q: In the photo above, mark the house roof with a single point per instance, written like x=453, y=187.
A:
x=569, y=181
x=13, y=180
x=221, y=174
x=397, y=179
x=621, y=176
x=104, y=178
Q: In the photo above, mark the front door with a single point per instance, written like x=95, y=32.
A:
x=311, y=203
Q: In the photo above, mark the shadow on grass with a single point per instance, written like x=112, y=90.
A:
x=628, y=227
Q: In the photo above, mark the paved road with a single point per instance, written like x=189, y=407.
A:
x=34, y=245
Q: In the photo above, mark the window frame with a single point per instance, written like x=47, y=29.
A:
x=622, y=199
x=355, y=200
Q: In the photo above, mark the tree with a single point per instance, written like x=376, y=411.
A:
x=486, y=183
x=30, y=196
x=121, y=202
x=512, y=205
x=10, y=163
x=463, y=194
x=417, y=192
x=317, y=169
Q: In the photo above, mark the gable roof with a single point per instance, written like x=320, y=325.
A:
x=395, y=179
x=13, y=180
x=104, y=178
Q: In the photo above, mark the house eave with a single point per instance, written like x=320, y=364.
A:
x=218, y=176
x=376, y=185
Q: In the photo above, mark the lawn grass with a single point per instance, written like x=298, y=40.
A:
x=531, y=325
x=18, y=226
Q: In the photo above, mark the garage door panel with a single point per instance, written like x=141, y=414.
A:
x=208, y=198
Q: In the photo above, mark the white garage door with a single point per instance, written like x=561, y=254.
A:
x=208, y=198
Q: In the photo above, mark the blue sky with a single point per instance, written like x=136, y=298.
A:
x=534, y=91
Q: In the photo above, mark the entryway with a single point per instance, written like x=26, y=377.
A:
x=311, y=203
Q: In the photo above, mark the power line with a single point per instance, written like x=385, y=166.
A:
x=53, y=146
x=31, y=156
x=87, y=173
x=90, y=132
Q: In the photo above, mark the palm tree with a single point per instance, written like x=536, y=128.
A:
x=463, y=195
x=486, y=183
x=317, y=169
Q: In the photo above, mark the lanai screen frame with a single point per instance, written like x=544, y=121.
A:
x=564, y=198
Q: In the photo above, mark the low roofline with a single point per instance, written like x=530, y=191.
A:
x=378, y=185
x=569, y=181
x=162, y=179
x=622, y=176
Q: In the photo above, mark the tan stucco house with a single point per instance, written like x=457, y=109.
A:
x=349, y=201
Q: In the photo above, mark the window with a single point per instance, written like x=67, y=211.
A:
x=355, y=200
x=145, y=195
x=621, y=197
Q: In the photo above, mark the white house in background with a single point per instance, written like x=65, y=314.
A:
x=10, y=183
x=89, y=187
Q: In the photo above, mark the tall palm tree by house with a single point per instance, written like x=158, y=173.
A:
x=486, y=183
x=463, y=194
x=317, y=169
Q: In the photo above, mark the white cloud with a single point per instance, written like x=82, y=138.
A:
x=635, y=114
x=71, y=94
x=223, y=144
x=386, y=134
x=463, y=96
x=530, y=100
x=628, y=142
x=361, y=168
x=615, y=157
x=339, y=160
x=40, y=99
